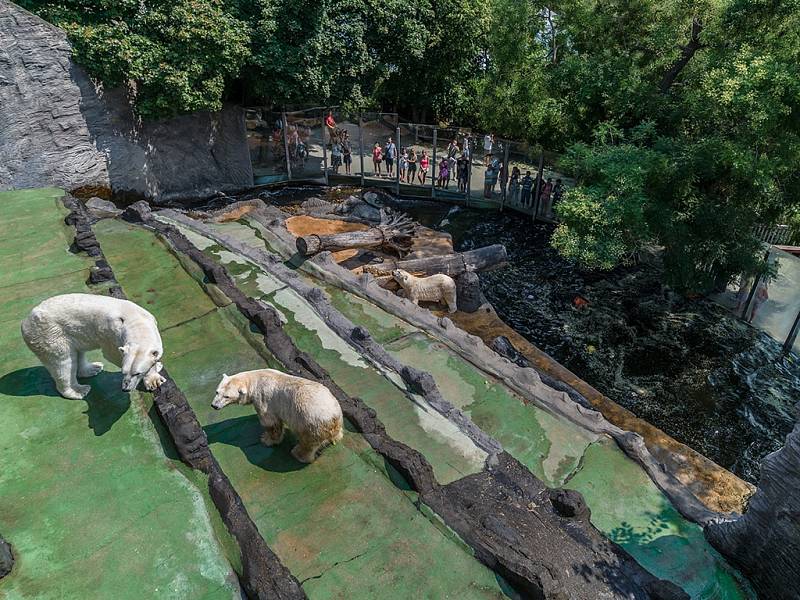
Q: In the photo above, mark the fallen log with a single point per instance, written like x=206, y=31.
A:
x=395, y=232
x=480, y=259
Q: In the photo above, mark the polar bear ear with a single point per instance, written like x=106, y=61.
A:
x=124, y=349
x=225, y=377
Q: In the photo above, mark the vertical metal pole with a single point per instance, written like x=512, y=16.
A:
x=433, y=167
x=325, y=146
x=286, y=145
x=468, y=145
x=507, y=168
x=538, y=189
x=361, y=146
x=753, y=289
x=790, y=339
x=397, y=159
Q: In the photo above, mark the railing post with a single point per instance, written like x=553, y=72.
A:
x=538, y=188
x=507, y=167
x=468, y=190
x=751, y=295
x=286, y=144
x=325, y=146
x=433, y=166
x=790, y=339
x=397, y=159
x=361, y=146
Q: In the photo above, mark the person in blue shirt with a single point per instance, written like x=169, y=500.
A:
x=527, y=186
x=389, y=154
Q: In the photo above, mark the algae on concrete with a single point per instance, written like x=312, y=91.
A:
x=342, y=525
x=90, y=503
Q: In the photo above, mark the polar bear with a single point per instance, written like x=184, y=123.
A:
x=436, y=288
x=306, y=407
x=61, y=329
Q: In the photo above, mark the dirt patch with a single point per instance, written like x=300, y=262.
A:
x=305, y=225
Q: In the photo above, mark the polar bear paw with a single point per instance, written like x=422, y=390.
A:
x=90, y=369
x=78, y=392
x=302, y=454
x=152, y=381
x=271, y=437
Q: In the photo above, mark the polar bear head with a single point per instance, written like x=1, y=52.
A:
x=137, y=361
x=401, y=277
x=229, y=391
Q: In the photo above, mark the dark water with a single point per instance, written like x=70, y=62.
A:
x=686, y=366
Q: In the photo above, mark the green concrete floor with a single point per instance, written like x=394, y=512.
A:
x=90, y=503
x=625, y=503
x=345, y=526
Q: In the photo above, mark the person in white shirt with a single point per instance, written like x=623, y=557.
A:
x=488, y=142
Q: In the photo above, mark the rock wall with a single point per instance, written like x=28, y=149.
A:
x=57, y=128
x=765, y=542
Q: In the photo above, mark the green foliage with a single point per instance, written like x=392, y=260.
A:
x=177, y=56
x=680, y=120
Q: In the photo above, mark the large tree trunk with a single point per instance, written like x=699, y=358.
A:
x=481, y=259
x=687, y=52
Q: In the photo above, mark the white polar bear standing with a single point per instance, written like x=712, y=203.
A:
x=306, y=407
x=61, y=329
x=436, y=288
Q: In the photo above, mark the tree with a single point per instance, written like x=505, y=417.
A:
x=176, y=56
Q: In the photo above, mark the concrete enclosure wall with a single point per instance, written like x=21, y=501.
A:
x=58, y=128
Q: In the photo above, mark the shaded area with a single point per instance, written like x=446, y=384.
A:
x=85, y=485
x=102, y=411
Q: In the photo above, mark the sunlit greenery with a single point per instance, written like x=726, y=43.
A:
x=680, y=120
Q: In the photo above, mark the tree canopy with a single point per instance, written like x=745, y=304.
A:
x=679, y=120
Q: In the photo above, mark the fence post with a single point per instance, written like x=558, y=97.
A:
x=790, y=339
x=753, y=289
x=538, y=188
x=361, y=146
x=325, y=146
x=397, y=158
x=433, y=166
x=507, y=167
x=468, y=190
x=286, y=145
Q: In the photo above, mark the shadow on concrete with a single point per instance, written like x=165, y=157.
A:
x=106, y=403
x=244, y=433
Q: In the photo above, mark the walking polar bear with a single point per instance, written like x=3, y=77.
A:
x=436, y=288
x=306, y=407
x=61, y=329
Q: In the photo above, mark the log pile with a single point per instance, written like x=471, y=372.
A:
x=480, y=259
x=394, y=233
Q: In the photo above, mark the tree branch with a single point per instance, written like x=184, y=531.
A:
x=687, y=52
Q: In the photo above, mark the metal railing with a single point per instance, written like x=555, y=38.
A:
x=450, y=164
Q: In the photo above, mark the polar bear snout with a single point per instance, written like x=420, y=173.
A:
x=129, y=382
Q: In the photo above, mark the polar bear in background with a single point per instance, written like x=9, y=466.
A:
x=61, y=329
x=436, y=288
x=306, y=407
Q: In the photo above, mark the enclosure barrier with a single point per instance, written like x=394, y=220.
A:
x=333, y=145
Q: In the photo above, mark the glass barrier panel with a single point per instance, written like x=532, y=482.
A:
x=265, y=140
x=305, y=130
x=344, y=163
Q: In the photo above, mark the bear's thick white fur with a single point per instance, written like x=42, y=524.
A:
x=436, y=288
x=306, y=407
x=61, y=329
